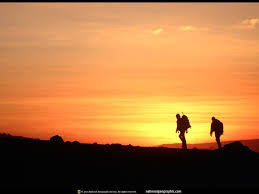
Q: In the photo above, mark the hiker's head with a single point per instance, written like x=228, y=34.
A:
x=213, y=118
x=178, y=116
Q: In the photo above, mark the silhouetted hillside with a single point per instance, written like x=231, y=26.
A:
x=253, y=144
x=9, y=136
x=40, y=165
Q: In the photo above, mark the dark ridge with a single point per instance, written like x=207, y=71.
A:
x=253, y=144
x=30, y=165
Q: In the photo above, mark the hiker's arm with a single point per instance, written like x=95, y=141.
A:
x=211, y=129
x=177, y=128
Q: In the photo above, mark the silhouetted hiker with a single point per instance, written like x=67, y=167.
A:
x=217, y=127
x=182, y=125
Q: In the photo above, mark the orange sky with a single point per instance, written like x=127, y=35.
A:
x=119, y=73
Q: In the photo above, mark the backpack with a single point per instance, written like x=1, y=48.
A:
x=217, y=126
x=186, y=122
x=220, y=127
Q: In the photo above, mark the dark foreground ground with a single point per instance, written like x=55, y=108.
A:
x=42, y=167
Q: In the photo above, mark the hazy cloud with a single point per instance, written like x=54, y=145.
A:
x=191, y=28
x=248, y=23
x=157, y=31
x=187, y=28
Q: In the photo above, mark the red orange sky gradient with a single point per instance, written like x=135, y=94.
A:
x=119, y=73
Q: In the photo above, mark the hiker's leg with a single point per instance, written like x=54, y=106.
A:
x=218, y=141
x=181, y=137
x=184, y=142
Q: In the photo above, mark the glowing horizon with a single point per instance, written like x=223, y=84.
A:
x=119, y=73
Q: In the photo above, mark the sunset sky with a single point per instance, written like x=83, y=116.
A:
x=120, y=72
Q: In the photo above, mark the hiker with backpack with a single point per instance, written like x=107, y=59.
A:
x=217, y=127
x=182, y=126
